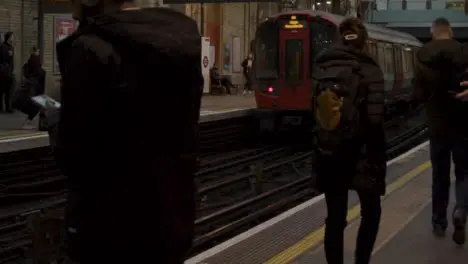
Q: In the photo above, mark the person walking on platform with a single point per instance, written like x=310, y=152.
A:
x=131, y=195
x=33, y=84
x=7, y=77
x=348, y=105
x=247, y=65
x=440, y=66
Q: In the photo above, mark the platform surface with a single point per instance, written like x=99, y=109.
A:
x=296, y=235
x=405, y=235
x=415, y=244
x=226, y=102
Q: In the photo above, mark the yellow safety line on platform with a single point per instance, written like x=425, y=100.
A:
x=25, y=135
x=315, y=238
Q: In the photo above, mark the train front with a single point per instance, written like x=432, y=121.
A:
x=282, y=71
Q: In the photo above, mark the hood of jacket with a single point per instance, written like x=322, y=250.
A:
x=340, y=54
x=440, y=54
x=344, y=53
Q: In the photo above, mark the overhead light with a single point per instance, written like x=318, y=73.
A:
x=328, y=2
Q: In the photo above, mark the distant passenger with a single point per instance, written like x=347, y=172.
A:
x=223, y=80
x=7, y=76
x=247, y=65
x=33, y=84
x=440, y=69
x=350, y=145
x=131, y=196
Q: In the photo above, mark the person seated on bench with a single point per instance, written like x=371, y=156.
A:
x=224, y=80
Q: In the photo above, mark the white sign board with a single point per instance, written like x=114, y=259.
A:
x=205, y=63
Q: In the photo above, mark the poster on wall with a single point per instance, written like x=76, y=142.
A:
x=64, y=26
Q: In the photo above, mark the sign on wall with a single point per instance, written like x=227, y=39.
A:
x=64, y=26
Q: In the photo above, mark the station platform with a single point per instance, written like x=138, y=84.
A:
x=214, y=108
x=405, y=236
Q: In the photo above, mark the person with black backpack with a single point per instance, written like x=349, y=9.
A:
x=348, y=104
x=131, y=189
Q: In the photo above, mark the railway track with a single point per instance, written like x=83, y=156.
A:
x=237, y=190
x=291, y=189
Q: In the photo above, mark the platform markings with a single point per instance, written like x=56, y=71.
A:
x=315, y=238
x=211, y=112
x=415, y=213
x=19, y=137
x=275, y=220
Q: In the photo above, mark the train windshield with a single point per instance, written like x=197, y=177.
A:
x=323, y=34
x=266, y=51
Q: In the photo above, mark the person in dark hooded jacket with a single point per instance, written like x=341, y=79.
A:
x=440, y=67
x=362, y=167
x=7, y=77
x=131, y=194
x=33, y=84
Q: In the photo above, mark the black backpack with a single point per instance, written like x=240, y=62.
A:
x=336, y=104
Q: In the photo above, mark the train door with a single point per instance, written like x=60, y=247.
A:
x=294, y=68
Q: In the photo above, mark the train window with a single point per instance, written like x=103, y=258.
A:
x=409, y=59
x=415, y=52
x=389, y=62
x=397, y=58
x=381, y=56
x=372, y=49
x=404, y=60
x=266, y=51
x=294, y=61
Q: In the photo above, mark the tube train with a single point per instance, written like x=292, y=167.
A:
x=285, y=49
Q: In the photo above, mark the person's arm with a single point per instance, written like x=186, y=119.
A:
x=463, y=95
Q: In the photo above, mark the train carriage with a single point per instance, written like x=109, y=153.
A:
x=285, y=48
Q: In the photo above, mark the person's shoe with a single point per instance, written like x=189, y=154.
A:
x=438, y=230
x=28, y=125
x=459, y=223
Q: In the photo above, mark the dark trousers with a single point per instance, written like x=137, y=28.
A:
x=442, y=152
x=6, y=91
x=248, y=82
x=335, y=224
x=226, y=83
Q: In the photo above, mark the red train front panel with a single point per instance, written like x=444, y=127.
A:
x=282, y=70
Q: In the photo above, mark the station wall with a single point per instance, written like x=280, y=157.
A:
x=20, y=17
x=230, y=26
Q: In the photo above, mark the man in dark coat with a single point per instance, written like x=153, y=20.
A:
x=436, y=84
x=131, y=186
x=7, y=79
